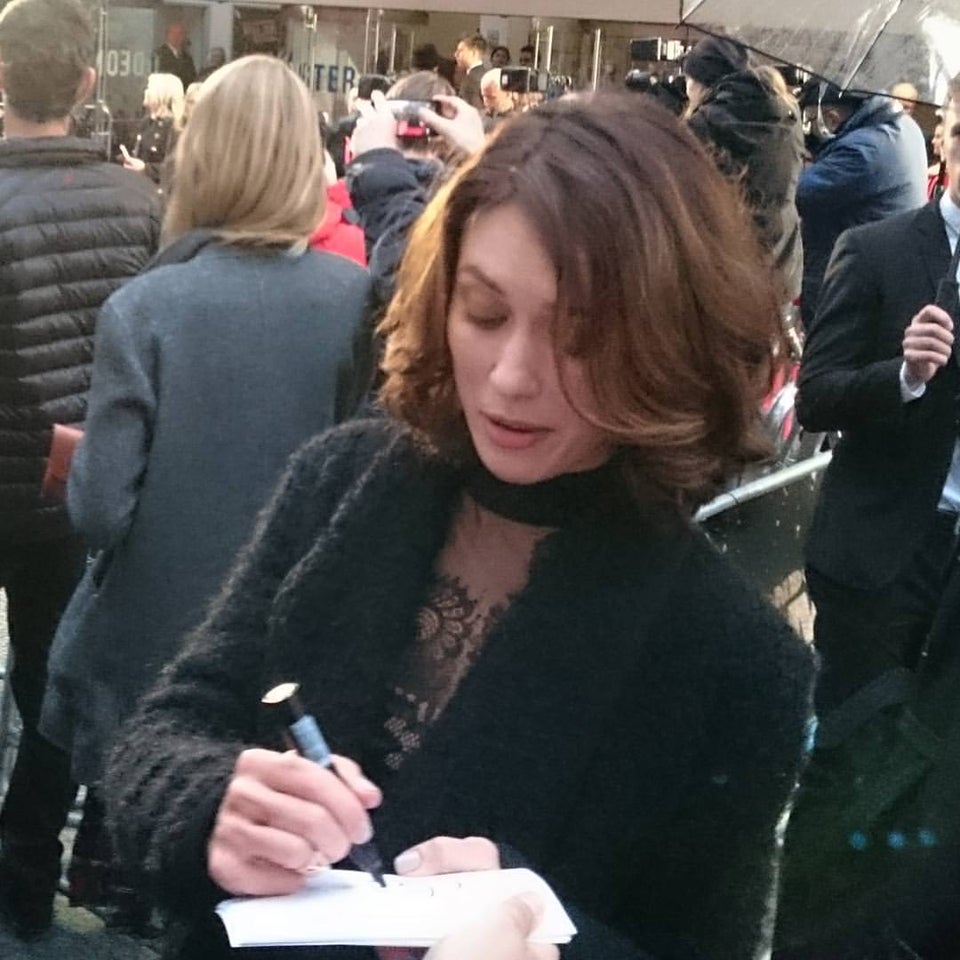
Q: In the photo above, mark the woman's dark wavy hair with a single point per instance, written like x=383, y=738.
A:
x=663, y=290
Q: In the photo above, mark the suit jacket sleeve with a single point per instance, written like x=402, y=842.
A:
x=470, y=89
x=843, y=384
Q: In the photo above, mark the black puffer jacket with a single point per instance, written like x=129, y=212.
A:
x=72, y=229
x=758, y=137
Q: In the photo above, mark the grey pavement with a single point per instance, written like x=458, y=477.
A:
x=76, y=935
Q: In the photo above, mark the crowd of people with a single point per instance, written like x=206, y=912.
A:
x=427, y=438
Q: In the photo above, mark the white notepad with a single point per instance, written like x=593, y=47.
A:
x=345, y=907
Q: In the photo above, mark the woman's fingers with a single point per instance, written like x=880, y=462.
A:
x=448, y=855
x=312, y=823
x=242, y=876
x=352, y=775
x=283, y=815
x=287, y=773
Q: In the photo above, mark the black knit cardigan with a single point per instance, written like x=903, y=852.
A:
x=633, y=728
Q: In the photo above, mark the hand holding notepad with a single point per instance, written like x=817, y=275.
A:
x=343, y=907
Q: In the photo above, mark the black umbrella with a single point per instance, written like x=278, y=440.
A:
x=865, y=46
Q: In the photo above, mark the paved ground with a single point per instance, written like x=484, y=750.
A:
x=76, y=935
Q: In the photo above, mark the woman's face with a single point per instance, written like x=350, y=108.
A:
x=937, y=141
x=507, y=375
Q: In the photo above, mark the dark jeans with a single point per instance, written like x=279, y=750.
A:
x=39, y=579
x=859, y=634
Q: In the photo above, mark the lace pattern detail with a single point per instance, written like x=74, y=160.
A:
x=451, y=629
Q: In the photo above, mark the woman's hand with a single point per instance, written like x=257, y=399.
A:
x=460, y=124
x=131, y=163
x=502, y=935
x=282, y=817
x=448, y=855
x=376, y=127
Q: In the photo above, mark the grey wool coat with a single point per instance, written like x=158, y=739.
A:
x=207, y=375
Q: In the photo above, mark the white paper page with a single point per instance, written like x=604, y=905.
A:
x=348, y=907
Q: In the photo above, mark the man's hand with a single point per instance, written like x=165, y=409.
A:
x=927, y=345
x=282, y=816
x=460, y=125
x=502, y=935
x=376, y=127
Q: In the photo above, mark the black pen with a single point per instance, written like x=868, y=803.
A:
x=305, y=736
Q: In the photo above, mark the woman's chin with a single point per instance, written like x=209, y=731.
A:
x=514, y=467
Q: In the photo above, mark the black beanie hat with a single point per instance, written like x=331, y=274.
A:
x=713, y=58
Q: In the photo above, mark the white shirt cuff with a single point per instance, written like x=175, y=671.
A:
x=908, y=393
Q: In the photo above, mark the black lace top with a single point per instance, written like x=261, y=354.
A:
x=483, y=566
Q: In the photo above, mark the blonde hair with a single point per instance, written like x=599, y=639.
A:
x=190, y=99
x=773, y=80
x=249, y=165
x=163, y=97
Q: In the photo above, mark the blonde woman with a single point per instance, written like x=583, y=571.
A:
x=163, y=101
x=211, y=368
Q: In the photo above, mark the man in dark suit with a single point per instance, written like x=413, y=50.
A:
x=469, y=55
x=877, y=366
x=882, y=572
x=173, y=57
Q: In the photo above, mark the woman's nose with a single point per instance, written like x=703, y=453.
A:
x=519, y=366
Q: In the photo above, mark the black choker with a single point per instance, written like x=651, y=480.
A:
x=594, y=495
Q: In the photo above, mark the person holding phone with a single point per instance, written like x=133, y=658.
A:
x=394, y=175
x=163, y=101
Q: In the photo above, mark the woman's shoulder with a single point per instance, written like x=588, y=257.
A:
x=334, y=272
x=352, y=448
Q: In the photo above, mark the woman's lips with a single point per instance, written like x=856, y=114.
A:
x=512, y=434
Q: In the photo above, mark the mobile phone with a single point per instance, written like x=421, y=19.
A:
x=519, y=80
x=407, y=114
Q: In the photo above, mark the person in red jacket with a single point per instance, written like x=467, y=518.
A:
x=339, y=231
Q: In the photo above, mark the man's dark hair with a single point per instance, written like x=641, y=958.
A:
x=506, y=50
x=369, y=82
x=475, y=42
x=45, y=45
x=816, y=91
x=425, y=57
x=529, y=48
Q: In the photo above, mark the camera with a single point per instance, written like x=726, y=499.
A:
x=519, y=80
x=407, y=115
